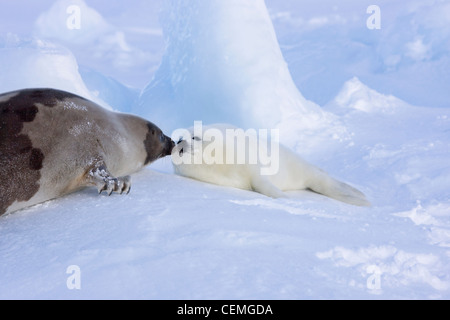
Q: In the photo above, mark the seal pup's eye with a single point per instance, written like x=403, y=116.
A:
x=196, y=138
x=180, y=140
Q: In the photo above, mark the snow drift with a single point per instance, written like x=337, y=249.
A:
x=34, y=63
x=327, y=43
x=100, y=45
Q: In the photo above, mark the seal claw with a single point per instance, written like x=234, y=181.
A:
x=100, y=176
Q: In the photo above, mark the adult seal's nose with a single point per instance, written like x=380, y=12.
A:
x=170, y=144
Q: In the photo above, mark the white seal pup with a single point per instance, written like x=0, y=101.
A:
x=53, y=142
x=212, y=155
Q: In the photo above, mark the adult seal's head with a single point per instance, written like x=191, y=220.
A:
x=54, y=142
x=157, y=144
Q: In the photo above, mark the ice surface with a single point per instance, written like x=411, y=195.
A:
x=379, y=128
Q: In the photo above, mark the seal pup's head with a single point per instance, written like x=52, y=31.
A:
x=186, y=146
x=193, y=141
x=188, y=158
x=201, y=150
x=208, y=154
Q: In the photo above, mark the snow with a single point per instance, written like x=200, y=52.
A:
x=223, y=56
x=23, y=61
x=99, y=43
x=368, y=106
x=323, y=55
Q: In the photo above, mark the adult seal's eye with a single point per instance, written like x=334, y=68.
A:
x=161, y=137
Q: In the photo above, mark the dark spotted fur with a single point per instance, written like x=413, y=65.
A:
x=150, y=143
x=19, y=161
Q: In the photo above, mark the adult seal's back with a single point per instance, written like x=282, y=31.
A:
x=54, y=142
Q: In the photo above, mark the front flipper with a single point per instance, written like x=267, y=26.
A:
x=264, y=186
x=104, y=181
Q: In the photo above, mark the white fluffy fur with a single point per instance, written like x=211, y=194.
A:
x=294, y=173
